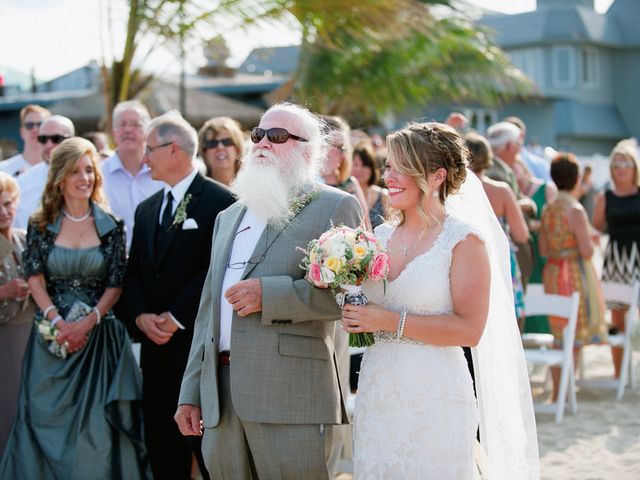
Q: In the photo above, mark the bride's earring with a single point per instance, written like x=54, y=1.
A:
x=434, y=193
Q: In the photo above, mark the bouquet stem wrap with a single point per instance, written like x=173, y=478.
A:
x=354, y=295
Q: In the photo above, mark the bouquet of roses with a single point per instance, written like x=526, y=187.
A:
x=345, y=257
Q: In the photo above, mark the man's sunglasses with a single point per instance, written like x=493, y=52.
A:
x=275, y=135
x=32, y=125
x=54, y=138
x=227, y=142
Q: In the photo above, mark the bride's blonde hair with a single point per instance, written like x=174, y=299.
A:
x=420, y=149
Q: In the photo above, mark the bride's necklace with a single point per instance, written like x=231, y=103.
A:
x=405, y=248
x=76, y=219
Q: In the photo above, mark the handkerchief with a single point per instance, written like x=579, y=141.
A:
x=189, y=224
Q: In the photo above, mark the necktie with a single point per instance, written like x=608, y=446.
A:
x=167, y=215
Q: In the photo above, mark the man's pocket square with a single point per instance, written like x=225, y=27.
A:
x=189, y=224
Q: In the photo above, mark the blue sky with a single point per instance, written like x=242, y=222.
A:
x=56, y=36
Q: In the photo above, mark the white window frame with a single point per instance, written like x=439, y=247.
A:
x=477, y=116
x=595, y=59
x=529, y=61
x=571, y=58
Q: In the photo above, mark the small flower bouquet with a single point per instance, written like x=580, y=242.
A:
x=345, y=257
x=49, y=334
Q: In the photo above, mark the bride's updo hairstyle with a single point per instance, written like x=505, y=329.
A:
x=420, y=149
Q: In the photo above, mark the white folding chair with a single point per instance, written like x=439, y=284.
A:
x=558, y=306
x=627, y=294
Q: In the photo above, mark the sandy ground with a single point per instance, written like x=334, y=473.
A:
x=602, y=441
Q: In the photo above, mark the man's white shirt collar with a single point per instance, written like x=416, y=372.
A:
x=180, y=189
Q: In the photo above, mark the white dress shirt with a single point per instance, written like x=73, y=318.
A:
x=31, y=183
x=15, y=165
x=244, y=243
x=125, y=191
x=178, y=191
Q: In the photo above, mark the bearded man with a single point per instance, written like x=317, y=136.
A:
x=261, y=384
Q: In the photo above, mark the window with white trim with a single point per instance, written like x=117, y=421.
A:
x=480, y=118
x=564, y=66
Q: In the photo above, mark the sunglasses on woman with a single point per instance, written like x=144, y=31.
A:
x=54, y=138
x=275, y=135
x=227, y=142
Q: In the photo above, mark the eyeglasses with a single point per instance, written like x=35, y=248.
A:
x=149, y=150
x=251, y=261
x=622, y=164
x=32, y=125
x=132, y=124
x=54, y=138
x=275, y=135
x=227, y=142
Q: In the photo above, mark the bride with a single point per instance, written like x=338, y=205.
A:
x=417, y=414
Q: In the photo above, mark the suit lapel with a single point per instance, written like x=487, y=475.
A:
x=223, y=245
x=194, y=189
x=152, y=225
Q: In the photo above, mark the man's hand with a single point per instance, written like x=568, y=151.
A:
x=150, y=324
x=189, y=419
x=245, y=297
x=169, y=325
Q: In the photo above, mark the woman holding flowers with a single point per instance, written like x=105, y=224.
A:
x=416, y=414
x=78, y=413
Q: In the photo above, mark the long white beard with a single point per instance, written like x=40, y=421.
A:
x=268, y=187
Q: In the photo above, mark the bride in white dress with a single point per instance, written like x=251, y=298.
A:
x=416, y=413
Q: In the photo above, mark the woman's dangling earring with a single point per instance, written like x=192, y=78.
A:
x=434, y=193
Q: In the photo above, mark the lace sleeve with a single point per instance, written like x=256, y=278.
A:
x=115, y=253
x=34, y=256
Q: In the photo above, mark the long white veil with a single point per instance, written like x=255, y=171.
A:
x=507, y=423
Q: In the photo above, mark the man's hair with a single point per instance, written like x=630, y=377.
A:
x=134, y=105
x=501, y=133
x=517, y=122
x=32, y=108
x=171, y=127
x=64, y=122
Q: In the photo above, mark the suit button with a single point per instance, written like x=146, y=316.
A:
x=212, y=340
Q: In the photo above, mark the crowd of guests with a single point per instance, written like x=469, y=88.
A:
x=118, y=244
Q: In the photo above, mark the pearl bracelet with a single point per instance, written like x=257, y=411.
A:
x=400, y=329
x=97, y=312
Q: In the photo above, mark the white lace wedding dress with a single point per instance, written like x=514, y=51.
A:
x=416, y=415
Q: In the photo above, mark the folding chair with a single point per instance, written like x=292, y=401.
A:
x=557, y=306
x=627, y=294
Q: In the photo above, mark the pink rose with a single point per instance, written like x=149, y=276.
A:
x=315, y=274
x=379, y=267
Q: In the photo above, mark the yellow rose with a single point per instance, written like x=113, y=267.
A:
x=359, y=252
x=334, y=263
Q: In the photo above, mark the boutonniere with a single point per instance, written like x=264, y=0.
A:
x=298, y=203
x=181, y=212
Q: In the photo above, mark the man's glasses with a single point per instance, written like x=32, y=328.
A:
x=227, y=142
x=251, y=261
x=149, y=150
x=32, y=125
x=54, y=138
x=132, y=124
x=275, y=135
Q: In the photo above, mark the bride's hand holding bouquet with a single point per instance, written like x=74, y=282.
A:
x=345, y=257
